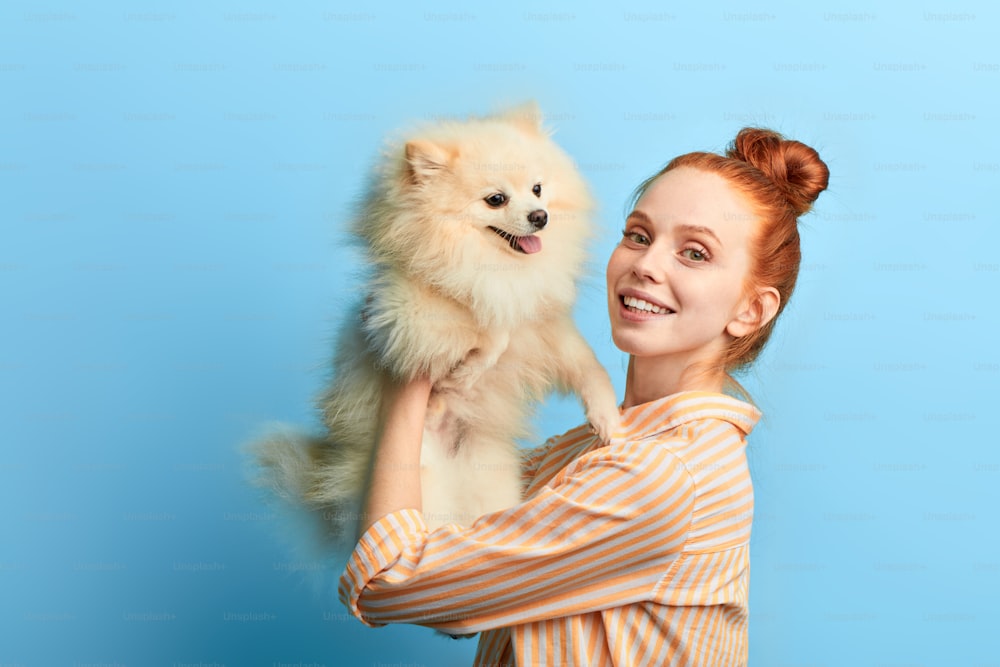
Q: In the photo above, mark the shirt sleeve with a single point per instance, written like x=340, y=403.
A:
x=601, y=534
x=531, y=459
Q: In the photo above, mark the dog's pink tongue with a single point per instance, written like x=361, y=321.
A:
x=529, y=244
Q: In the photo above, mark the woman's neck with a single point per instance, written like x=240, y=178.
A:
x=648, y=380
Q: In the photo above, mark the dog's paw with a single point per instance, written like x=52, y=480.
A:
x=464, y=376
x=604, y=421
x=461, y=379
x=477, y=361
x=600, y=404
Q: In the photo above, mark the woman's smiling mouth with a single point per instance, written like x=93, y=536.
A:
x=633, y=303
x=639, y=306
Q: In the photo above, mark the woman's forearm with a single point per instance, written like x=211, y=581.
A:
x=394, y=481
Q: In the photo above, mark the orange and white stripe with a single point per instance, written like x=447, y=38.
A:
x=630, y=553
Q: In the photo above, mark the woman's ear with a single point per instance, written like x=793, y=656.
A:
x=759, y=309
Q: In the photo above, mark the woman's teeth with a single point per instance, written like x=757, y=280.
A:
x=639, y=304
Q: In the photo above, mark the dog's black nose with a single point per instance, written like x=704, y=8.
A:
x=538, y=218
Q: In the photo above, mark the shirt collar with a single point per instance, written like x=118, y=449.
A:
x=669, y=412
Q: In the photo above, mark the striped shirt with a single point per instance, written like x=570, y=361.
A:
x=630, y=553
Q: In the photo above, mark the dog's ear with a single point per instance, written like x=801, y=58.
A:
x=526, y=116
x=425, y=159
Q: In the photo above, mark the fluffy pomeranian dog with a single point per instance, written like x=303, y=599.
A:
x=475, y=233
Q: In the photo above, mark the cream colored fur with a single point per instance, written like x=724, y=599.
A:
x=450, y=298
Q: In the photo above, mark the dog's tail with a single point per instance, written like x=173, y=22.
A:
x=296, y=468
x=284, y=461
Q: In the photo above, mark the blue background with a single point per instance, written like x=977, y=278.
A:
x=173, y=184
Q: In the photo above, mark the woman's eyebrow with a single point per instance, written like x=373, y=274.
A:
x=699, y=229
x=636, y=213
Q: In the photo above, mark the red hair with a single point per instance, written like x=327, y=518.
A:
x=781, y=179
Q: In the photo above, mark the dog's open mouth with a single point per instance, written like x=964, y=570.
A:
x=523, y=244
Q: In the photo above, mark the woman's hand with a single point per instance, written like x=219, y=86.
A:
x=394, y=481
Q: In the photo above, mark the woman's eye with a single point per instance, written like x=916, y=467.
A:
x=496, y=200
x=694, y=254
x=635, y=237
x=537, y=190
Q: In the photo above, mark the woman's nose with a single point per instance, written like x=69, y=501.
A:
x=650, y=265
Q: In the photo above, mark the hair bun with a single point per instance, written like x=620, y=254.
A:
x=795, y=168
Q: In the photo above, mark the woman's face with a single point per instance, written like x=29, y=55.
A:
x=676, y=280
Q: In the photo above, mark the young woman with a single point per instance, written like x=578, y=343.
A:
x=635, y=551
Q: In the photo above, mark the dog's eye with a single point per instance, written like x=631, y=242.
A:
x=496, y=200
x=537, y=189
